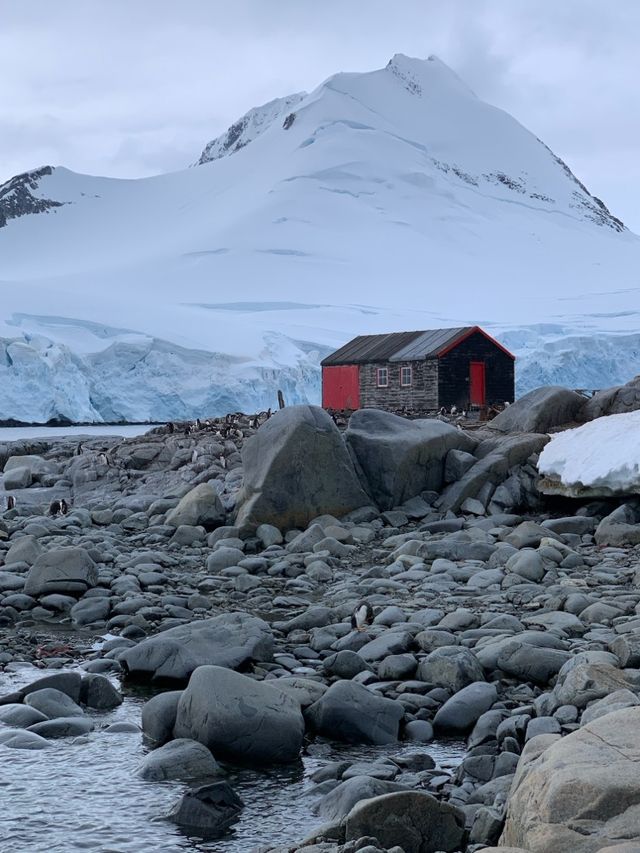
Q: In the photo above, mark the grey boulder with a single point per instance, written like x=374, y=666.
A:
x=53, y=703
x=239, y=718
x=296, y=467
x=350, y=712
x=412, y=820
x=464, y=709
x=200, y=506
x=540, y=410
x=398, y=459
x=230, y=640
x=182, y=759
x=207, y=811
x=67, y=570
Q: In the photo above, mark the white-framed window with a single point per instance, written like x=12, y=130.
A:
x=406, y=377
x=383, y=377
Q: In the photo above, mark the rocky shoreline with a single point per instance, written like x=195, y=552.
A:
x=224, y=565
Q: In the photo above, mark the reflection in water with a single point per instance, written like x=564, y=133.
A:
x=83, y=795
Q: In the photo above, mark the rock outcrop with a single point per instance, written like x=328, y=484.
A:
x=398, y=459
x=581, y=793
x=296, y=467
x=229, y=640
x=540, y=410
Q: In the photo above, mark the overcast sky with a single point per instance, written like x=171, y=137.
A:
x=134, y=87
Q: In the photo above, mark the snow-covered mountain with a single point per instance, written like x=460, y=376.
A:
x=388, y=200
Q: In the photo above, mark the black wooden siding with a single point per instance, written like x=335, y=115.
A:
x=422, y=395
x=453, y=378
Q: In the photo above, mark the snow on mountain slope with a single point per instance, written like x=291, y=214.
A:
x=388, y=200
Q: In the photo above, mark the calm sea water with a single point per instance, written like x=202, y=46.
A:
x=86, y=796
x=16, y=433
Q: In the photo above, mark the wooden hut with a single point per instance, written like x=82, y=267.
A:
x=419, y=371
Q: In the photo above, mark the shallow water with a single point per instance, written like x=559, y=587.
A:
x=123, y=431
x=86, y=796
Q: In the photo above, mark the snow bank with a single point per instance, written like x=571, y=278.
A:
x=601, y=458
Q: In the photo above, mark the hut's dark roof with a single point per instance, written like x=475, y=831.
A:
x=397, y=346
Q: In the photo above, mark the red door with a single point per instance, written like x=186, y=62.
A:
x=341, y=387
x=477, y=396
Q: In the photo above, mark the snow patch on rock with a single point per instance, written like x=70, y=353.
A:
x=601, y=458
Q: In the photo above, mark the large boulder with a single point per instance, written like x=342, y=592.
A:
x=600, y=459
x=398, y=459
x=540, y=410
x=199, y=506
x=239, y=718
x=70, y=571
x=412, y=820
x=581, y=793
x=229, y=640
x=613, y=401
x=296, y=467
x=350, y=712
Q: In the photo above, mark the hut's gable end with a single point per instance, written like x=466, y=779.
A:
x=454, y=373
x=421, y=395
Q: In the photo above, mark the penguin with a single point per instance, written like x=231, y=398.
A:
x=78, y=450
x=54, y=508
x=454, y=410
x=198, y=423
x=223, y=461
x=362, y=616
x=171, y=427
x=64, y=507
x=11, y=502
x=194, y=455
x=103, y=459
x=443, y=411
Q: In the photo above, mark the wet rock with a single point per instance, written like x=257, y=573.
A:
x=207, y=811
x=96, y=691
x=239, y=718
x=63, y=727
x=182, y=759
x=53, y=703
x=350, y=712
x=231, y=640
x=20, y=716
x=159, y=716
x=20, y=739
x=413, y=820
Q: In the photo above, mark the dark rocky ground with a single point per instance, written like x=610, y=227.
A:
x=498, y=617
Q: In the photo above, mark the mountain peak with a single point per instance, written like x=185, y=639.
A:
x=424, y=76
